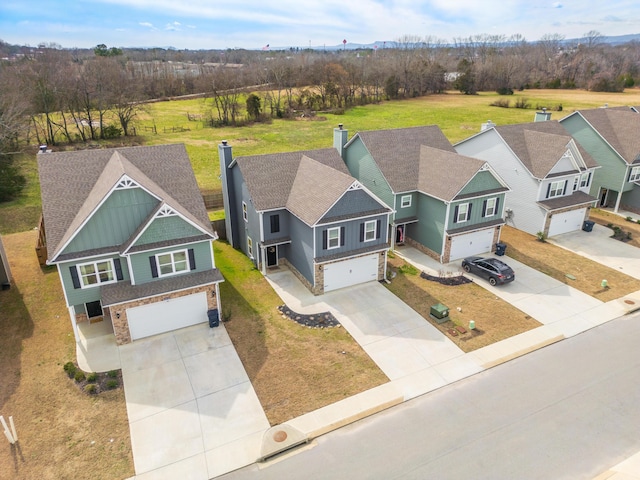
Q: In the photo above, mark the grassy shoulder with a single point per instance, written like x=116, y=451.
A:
x=558, y=263
x=293, y=369
x=495, y=319
x=628, y=228
x=63, y=432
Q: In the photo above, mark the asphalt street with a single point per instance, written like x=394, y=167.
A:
x=568, y=411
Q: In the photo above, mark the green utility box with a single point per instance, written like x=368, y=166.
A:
x=439, y=312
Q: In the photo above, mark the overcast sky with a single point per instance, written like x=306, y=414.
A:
x=205, y=24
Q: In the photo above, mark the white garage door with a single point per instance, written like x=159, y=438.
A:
x=350, y=272
x=566, y=222
x=473, y=243
x=167, y=315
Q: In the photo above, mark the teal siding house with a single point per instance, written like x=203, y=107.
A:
x=304, y=211
x=129, y=234
x=447, y=205
x=548, y=173
x=612, y=138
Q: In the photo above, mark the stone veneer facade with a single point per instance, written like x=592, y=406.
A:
x=121, y=324
x=447, y=246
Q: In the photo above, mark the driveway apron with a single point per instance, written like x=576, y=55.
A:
x=189, y=402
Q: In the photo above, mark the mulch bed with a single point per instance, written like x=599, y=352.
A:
x=316, y=320
x=452, y=281
x=103, y=381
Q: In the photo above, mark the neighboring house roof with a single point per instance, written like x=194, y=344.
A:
x=443, y=174
x=576, y=198
x=397, y=152
x=74, y=184
x=540, y=145
x=270, y=178
x=619, y=128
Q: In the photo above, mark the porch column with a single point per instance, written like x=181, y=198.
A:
x=74, y=324
x=263, y=259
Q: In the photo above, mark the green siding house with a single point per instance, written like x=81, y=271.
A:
x=445, y=204
x=129, y=234
x=611, y=136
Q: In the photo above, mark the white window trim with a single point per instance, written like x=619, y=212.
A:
x=576, y=183
x=405, y=201
x=336, y=239
x=634, y=176
x=82, y=277
x=368, y=232
x=245, y=215
x=250, y=247
x=555, y=192
x=461, y=213
x=493, y=207
x=584, y=180
x=173, y=263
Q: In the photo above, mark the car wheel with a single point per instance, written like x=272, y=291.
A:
x=466, y=268
x=492, y=281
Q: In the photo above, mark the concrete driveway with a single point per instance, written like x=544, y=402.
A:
x=193, y=413
x=598, y=246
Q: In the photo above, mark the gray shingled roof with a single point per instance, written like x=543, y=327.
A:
x=270, y=178
x=397, y=152
x=540, y=145
x=621, y=129
x=74, y=183
x=443, y=173
x=575, y=199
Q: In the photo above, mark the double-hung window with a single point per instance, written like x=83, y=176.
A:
x=370, y=231
x=556, y=189
x=462, y=214
x=405, y=201
x=490, y=207
x=96, y=273
x=584, y=179
x=333, y=237
x=244, y=212
x=634, y=176
x=250, y=247
x=172, y=262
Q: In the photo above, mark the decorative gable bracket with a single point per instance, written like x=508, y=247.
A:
x=126, y=182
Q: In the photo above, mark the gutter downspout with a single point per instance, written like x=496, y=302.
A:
x=444, y=230
x=619, y=197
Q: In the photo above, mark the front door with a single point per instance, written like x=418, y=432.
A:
x=94, y=309
x=400, y=235
x=272, y=256
x=603, y=197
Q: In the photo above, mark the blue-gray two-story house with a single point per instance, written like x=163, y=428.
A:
x=304, y=210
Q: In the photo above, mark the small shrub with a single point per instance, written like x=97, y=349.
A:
x=407, y=269
x=504, y=91
x=522, y=103
x=501, y=102
x=629, y=219
x=112, y=373
x=92, y=377
x=112, y=383
x=542, y=237
x=90, y=388
x=609, y=225
x=638, y=221
x=79, y=376
x=628, y=235
x=70, y=368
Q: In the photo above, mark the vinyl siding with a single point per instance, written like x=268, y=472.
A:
x=77, y=296
x=362, y=166
x=353, y=202
x=527, y=215
x=142, y=269
x=300, y=251
x=429, y=230
x=476, y=211
x=284, y=224
x=167, y=228
x=406, y=212
x=613, y=169
x=352, y=233
x=115, y=221
x=481, y=182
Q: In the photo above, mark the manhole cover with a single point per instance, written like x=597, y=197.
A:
x=279, y=436
x=629, y=302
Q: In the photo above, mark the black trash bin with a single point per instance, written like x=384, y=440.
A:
x=501, y=248
x=587, y=225
x=214, y=318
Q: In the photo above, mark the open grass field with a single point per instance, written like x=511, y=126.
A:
x=459, y=116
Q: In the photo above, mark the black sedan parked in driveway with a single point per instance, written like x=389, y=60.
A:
x=494, y=270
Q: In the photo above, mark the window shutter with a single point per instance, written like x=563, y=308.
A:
x=378, y=226
x=275, y=223
x=564, y=190
x=362, y=232
x=548, y=190
x=497, y=206
x=74, y=276
x=324, y=239
x=342, y=236
x=469, y=211
x=116, y=263
x=192, y=259
x=588, y=179
x=455, y=215
x=154, y=266
x=484, y=208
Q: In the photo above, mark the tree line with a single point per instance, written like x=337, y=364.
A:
x=53, y=95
